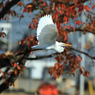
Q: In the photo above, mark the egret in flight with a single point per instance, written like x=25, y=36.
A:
x=46, y=35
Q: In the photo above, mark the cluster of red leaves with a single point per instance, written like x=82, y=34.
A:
x=48, y=89
x=61, y=14
x=31, y=41
x=57, y=70
x=85, y=73
x=20, y=3
x=22, y=42
x=90, y=26
x=14, y=72
x=28, y=8
x=78, y=22
x=69, y=59
x=33, y=24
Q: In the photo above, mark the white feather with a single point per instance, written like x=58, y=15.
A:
x=46, y=20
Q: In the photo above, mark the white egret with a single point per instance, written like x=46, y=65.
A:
x=46, y=35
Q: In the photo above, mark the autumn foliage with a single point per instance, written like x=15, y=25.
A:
x=63, y=11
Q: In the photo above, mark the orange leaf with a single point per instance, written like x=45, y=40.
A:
x=18, y=67
x=15, y=72
x=22, y=3
x=31, y=52
x=19, y=42
x=28, y=6
x=15, y=64
x=28, y=43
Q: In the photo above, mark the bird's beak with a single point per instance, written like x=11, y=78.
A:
x=67, y=44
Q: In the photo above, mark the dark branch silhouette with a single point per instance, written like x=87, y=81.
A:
x=92, y=57
x=7, y=7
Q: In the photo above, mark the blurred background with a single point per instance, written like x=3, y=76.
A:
x=35, y=77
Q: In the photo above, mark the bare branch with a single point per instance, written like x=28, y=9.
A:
x=92, y=57
x=11, y=80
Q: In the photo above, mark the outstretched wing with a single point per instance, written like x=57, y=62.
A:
x=46, y=31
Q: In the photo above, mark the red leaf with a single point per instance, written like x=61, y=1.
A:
x=24, y=10
x=61, y=11
x=3, y=74
x=93, y=7
x=29, y=26
x=87, y=8
x=44, y=4
x=67, y=13
x=15, y=64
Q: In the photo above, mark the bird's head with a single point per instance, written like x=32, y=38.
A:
x=60, y=46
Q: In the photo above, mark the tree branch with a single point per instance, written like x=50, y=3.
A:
x=11, y=79
x=92, y=57
x=40, y=57
x=7, y=7
x=79, y=29
x=72, y=4
x=4, y=62
x=92, y=13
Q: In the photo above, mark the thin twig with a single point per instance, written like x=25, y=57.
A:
x=72, y=4
x=92, y=57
